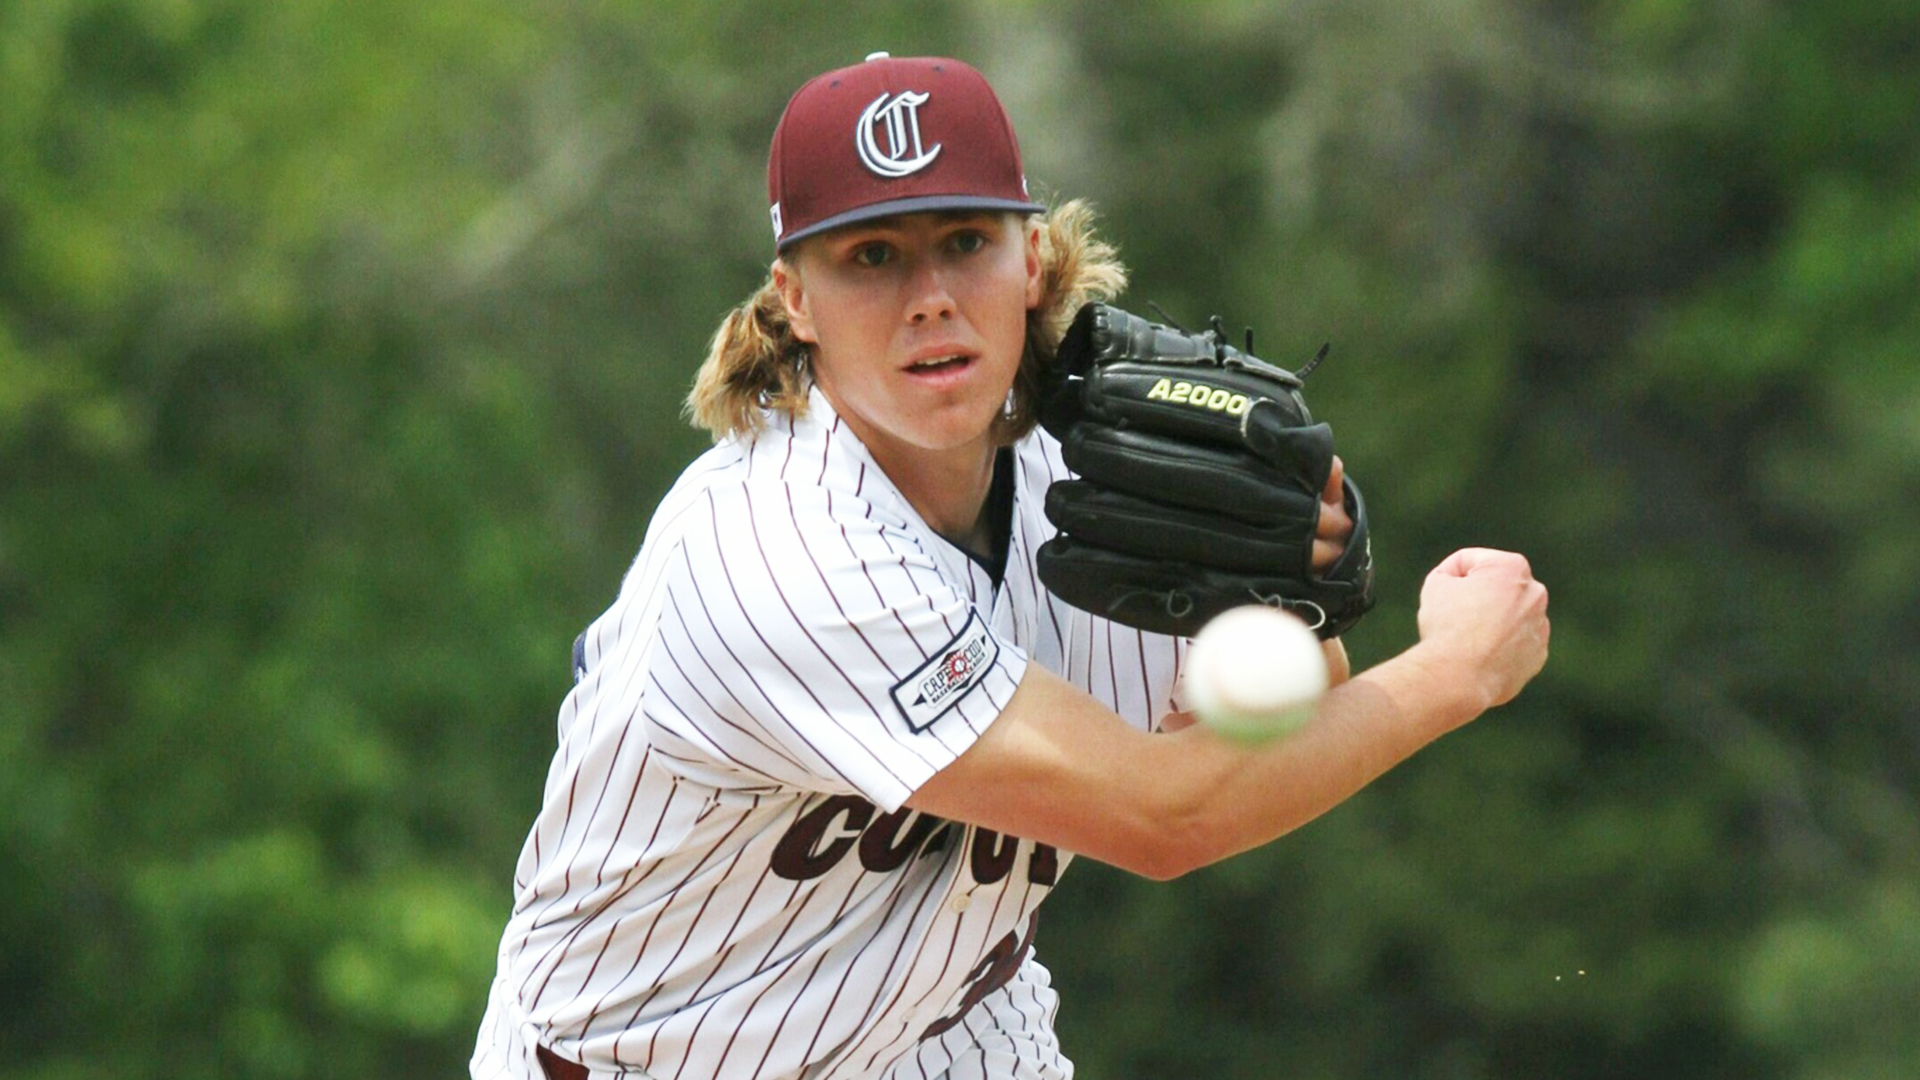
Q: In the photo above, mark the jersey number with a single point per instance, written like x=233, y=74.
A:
x=994, y=971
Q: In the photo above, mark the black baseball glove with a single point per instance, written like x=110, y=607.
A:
x=1200, y=479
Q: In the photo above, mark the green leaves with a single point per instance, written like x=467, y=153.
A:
x=341, y=357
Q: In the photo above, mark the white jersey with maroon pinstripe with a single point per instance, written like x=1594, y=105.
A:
x=723, y=880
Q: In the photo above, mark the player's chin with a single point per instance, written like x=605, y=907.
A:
x=956, y=424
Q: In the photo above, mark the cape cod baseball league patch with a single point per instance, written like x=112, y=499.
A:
x=940, y=683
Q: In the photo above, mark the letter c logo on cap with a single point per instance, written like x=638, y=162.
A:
x=899, y=115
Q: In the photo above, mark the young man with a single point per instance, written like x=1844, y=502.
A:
x=767, y=848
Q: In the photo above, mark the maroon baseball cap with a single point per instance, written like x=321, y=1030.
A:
x=891, y=136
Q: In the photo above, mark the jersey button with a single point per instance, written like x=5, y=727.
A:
x=960, y=903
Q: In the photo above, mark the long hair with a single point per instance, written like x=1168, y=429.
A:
x=755, y=365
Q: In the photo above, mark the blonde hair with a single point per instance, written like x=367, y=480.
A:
x=755, y=364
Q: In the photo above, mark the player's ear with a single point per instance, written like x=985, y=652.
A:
x=787, y=279
x=1036, y=271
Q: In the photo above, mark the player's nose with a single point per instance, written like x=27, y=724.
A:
x=929, y=296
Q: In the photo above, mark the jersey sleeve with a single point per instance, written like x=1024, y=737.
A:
x=809, y=640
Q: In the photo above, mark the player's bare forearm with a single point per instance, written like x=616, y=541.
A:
x=1223, y=798
x=1484, y=635
x=1060, y=769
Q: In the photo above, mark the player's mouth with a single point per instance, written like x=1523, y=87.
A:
x=940, y=367
x=939, y=363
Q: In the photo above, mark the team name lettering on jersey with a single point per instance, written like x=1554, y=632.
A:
x=1200, y=396
x=806, y=852
x=846, y=825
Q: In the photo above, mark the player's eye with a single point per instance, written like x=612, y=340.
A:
x=968, y=241
x=873, y=253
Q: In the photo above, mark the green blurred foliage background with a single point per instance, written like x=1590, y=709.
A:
x=342, y=348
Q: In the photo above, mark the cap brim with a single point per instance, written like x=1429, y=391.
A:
x=919, y=205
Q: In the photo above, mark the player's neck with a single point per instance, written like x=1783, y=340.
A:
x=948, y=489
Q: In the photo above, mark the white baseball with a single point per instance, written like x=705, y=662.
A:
x=1254, y=673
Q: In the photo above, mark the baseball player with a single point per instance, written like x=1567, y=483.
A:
x=836, y=739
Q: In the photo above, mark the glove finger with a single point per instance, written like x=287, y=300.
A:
x=1163, y=597
x=1101, y=333
x=1196, y=401
x=1304, y=453
x=1077, y=350
x=1207, y=477
x=1157, y=530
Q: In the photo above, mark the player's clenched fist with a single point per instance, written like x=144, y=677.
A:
x=1484, y=610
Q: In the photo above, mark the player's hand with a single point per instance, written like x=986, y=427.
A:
x=1331, y=533
x=1483, y=611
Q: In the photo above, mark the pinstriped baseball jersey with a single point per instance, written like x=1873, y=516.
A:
x=723, y=880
